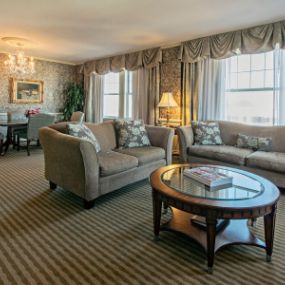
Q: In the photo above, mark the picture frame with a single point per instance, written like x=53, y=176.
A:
x=26, y=91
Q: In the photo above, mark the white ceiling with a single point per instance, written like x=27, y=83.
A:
x=78, y=30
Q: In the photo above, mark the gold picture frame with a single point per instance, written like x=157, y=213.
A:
x=26, y=91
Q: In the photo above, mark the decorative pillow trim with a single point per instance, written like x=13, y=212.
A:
x=254, y=143
x=81, y=131
x=131, y=133
x=207, y=133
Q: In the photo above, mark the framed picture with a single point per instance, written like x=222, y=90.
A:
x=26, y=91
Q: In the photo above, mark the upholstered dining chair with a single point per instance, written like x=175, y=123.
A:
x=1, y=143
x=35, y=122
x=77, y=117
x=16, y=116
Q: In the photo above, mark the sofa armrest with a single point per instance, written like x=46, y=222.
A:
x=71, y=163
x=186, y=139
x=161, y=137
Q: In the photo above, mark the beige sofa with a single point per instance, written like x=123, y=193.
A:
x=73, y=163
x=271, y=165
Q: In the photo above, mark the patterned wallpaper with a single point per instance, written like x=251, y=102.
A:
x=171, y=78
x=55, y=77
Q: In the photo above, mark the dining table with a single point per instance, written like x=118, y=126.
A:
x=11, y=126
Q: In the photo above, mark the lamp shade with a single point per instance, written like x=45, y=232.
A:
x=167, y=100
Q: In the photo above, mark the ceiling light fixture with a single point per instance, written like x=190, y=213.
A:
x=18, y=63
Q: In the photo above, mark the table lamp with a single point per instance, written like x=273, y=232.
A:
x=167, y=101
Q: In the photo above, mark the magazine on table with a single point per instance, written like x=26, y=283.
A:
x=210, y=176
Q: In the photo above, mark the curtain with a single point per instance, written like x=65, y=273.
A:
x=279, y=87
x=252, y=40
x=146, y=94
x=146, y=66
x=132, y=61
x=211, y=94
x=93, y=85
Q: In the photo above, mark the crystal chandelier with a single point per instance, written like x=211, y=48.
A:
x=20, y=64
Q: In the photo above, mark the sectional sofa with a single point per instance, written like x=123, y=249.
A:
x=271, y=164
x=73, y=163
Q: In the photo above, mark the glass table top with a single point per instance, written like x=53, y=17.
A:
x=243, y=186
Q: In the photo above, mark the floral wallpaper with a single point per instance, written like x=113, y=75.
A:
x=55, y=77
x=171, y=79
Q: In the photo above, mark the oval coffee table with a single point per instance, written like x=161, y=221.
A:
x=225, y=212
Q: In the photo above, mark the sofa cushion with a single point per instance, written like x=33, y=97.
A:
x=145, y=154
x=255, y=143
x=222, y=153
x=105, y=134
x=83, y=132
x=111, y=162
x=131, y=133
x=274, y=161
x=207, y=133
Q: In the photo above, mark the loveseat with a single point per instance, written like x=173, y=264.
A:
x=73, y=163
x=269, y=164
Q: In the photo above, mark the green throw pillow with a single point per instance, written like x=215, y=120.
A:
x=207, y=133
x=81, y=131
x=131, y=133
x=255, y=143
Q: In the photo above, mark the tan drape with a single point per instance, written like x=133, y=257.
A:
x=191, y=73
x=252, y=40
x=132, y=61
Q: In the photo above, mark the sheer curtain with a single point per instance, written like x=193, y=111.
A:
x=211, y=94
x=94, y=98
x=203, y=90
x=146, y=94
x=279, y=87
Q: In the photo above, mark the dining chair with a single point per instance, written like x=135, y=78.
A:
x=16, y=116
x=77, y=117
x=1, y=143
x=35, y=122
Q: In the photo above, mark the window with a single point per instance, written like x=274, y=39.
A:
x=111, y=95
x=117, y=92
x=249, y=88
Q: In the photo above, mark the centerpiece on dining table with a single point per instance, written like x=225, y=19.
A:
x=33, y=111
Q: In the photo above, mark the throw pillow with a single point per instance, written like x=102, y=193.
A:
x=131, y=133
x=81, y=131
x=207, y=133
x=254, y=143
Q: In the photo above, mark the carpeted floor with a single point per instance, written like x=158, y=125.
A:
x=47, y=238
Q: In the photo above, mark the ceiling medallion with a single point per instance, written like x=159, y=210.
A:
x=18, y=63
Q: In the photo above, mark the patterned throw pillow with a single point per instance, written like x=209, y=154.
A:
x=131, y=133
x=255, y=143
x=81, y=131
x=207, y=133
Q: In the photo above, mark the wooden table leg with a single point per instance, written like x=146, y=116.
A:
x=8, y=141
x=211, y=238
x=269, y=226
x=157, y=204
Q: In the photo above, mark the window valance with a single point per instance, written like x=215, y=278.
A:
x=131, y=61
x=252, y=40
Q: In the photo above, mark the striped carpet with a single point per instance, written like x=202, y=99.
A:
x=47, y=238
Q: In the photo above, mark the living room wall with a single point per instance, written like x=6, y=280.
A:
x=171, y=77
x=55, y=77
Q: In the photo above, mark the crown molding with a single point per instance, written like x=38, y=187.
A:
x=48, y=59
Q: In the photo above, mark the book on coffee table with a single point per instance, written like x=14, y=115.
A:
x=210, y=176
x=201, y=222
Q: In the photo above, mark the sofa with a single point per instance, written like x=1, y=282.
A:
x=270, y=165
x=73, y=164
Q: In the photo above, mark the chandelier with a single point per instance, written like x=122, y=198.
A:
x=20, y=64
